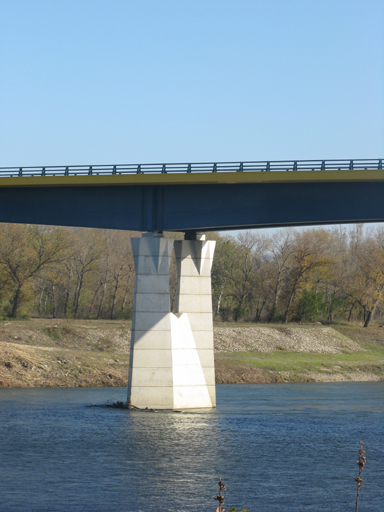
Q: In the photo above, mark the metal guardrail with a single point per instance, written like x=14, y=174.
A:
x=206, y=167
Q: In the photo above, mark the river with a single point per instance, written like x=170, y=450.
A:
x=277, y=447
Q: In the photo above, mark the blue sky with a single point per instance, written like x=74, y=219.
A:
x=127, y=82
x=111, y=81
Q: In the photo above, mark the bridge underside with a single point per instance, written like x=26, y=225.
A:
x=171, y=364
x=200, y=207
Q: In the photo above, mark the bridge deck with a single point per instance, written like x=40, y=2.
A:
x=196, y=173
x=196, y=197
x=195, y=179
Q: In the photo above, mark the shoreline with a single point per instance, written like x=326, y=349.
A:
x=88, y=353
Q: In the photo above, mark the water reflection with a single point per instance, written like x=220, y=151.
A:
x=277, y=447
x=174, y=454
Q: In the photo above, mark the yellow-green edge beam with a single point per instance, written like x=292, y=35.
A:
x=196, y=179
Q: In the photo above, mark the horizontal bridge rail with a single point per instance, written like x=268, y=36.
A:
x=205, y=167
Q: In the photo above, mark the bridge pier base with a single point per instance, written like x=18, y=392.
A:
x=171, y=361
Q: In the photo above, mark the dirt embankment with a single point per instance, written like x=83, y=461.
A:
x=48, y=353
x=315, y=353
x=42, y=353
x=323, y=340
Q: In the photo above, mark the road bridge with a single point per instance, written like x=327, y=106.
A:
x=183, y=197
x=171, y=362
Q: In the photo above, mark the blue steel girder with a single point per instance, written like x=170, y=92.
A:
x=195, y=206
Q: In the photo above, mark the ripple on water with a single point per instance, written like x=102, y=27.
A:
x=283, y=447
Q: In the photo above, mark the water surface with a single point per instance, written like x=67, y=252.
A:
x=283, y=447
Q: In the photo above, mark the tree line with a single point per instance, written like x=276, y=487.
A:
x=292, y=275
x=300, y=275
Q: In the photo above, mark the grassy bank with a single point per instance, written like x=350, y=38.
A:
x=364, y=364
x=301, y=367
x=62, y=353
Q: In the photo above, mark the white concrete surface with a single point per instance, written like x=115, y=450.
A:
x=156, y=302
x=195, y=286
x=194, y=263
x=150, y=382
x=189, y=386
x=168, y=369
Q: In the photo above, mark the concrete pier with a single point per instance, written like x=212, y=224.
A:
x=194, y=297
x=171, y=363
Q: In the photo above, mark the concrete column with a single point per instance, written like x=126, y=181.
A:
x=165, y=371
x=150, y=365
x=194, y=297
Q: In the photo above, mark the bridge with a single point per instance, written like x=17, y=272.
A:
x=190, y=197
x=171, y=362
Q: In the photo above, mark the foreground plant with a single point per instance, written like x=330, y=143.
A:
x=220, y=499
x=359, y=481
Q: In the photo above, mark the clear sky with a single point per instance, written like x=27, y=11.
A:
x=121, y=81
x=113, y=81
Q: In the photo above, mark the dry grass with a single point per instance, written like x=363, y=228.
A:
x=47, y=353
x=70, y=353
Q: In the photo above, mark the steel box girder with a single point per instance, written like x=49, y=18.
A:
x=195, y=206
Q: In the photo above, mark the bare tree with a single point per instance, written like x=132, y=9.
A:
x=89, y=247
x=121, y=266
x=282, y=249
x=250, y=250
x=25, y=251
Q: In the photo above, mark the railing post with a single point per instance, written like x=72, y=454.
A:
x=259, y=166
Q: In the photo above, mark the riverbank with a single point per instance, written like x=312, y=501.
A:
x=81, y=353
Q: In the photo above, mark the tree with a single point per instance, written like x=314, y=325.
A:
x=311, y=305
x=310, y=252
x=88, y=248
x=222, y=268
x=281, y=251
x=121, y=265
x=250, y=251
x=360, y=271
x=371, y=272
x=25, y=251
